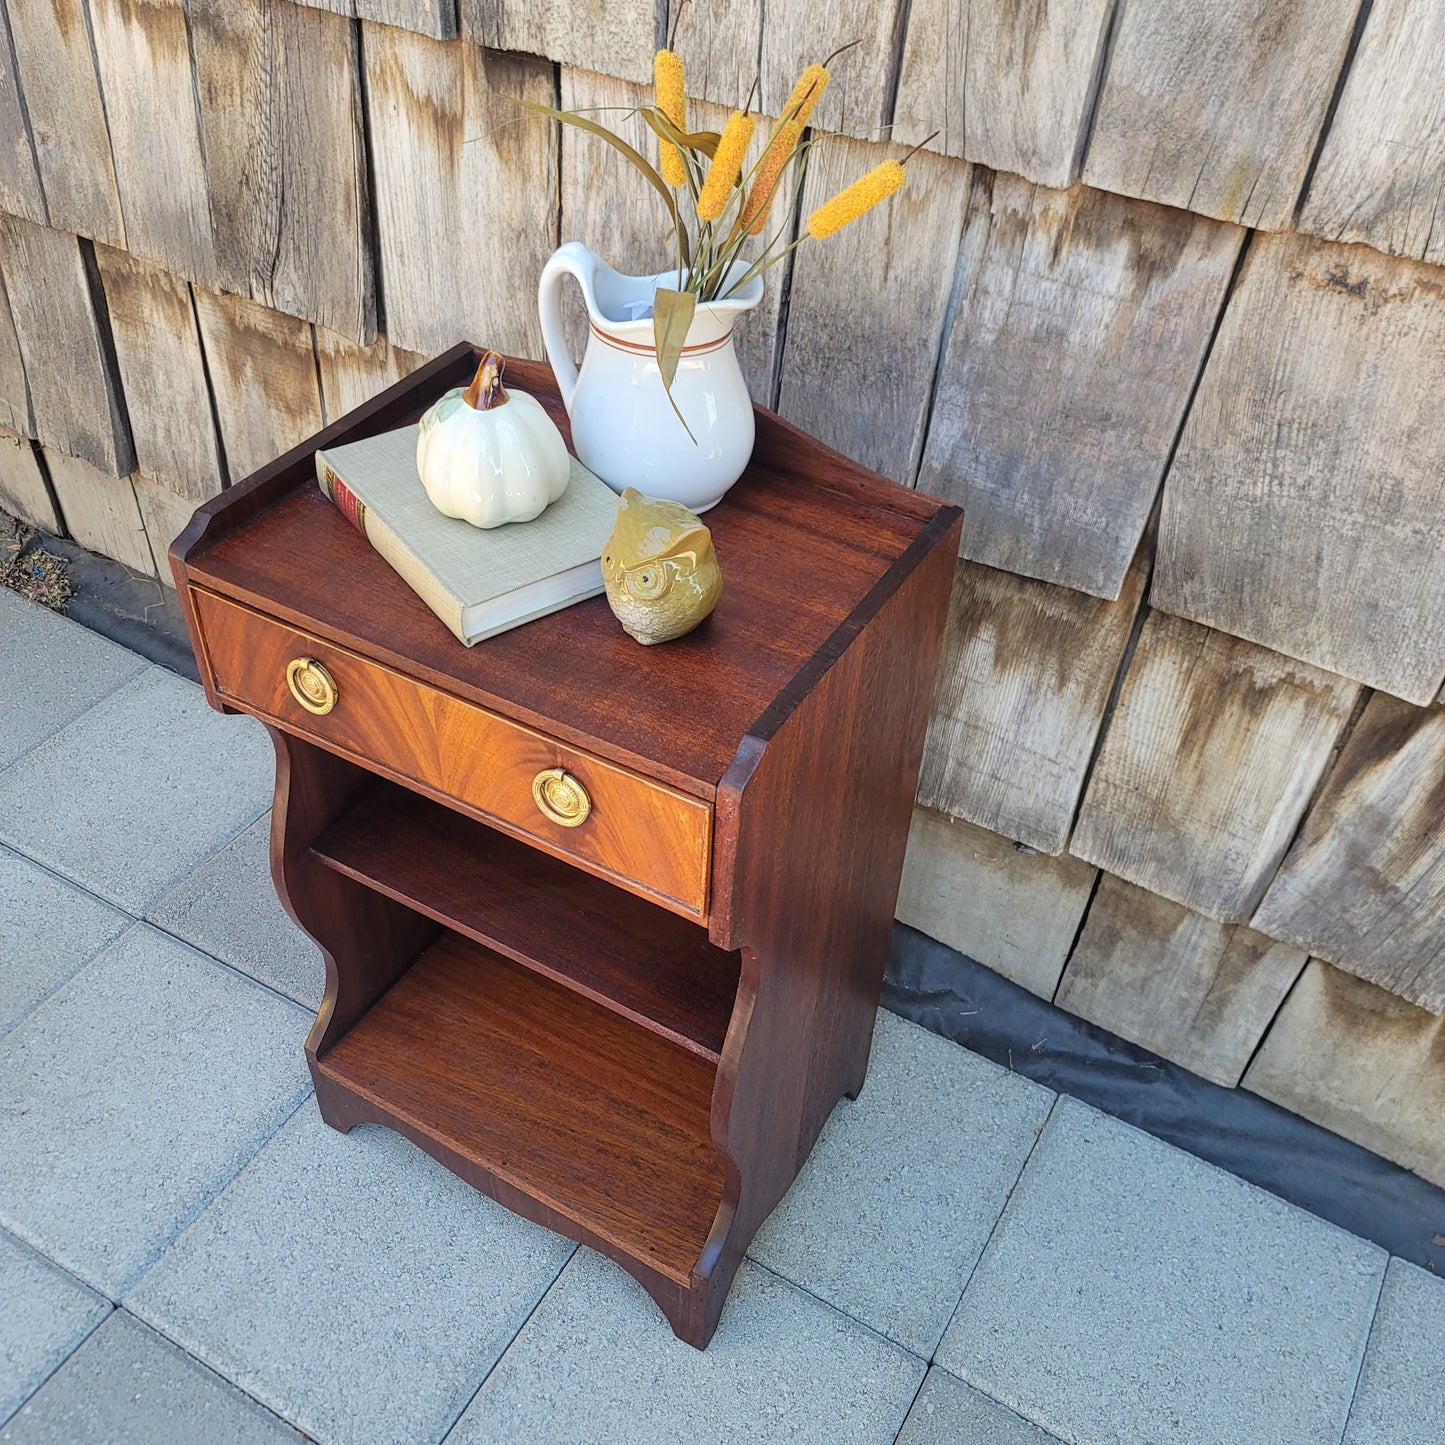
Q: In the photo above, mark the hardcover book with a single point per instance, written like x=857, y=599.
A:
x=478, y=582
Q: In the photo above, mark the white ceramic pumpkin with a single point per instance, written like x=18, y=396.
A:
x=491, y=456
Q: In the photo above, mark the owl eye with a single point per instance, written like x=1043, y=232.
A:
x=649, y=582
x=609, y=565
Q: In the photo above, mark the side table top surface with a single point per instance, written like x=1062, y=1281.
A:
x=810, y=545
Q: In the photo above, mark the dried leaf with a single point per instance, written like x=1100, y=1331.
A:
x=644, y=167
x=672, y=313
x=697, y=140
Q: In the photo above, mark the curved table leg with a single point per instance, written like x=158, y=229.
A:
x=368, y=940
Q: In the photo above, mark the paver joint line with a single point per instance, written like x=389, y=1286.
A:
x=998, y=1220
x=131, y=1093
x=228, y=907
x=1126, y=1291
x=128, y=1383
x=152, y=762
x=223, y=1182
x=409, y=1318
x=205, y=1365
x=491, y=1368
x=73, y=662
x=893, y=1207
x=841, y=1313
x=47, y=1314
x=1399, y=1396
x=50, y=929
x=1364, y=1355
x=74, y=718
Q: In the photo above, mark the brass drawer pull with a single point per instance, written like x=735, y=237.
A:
x=561, y=797
x=311, y=685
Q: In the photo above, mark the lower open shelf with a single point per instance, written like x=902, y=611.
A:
x=548, y=1094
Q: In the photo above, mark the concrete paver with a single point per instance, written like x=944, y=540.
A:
x=229, y=908
x=598, y=1365
x=44, y=1315
x=351, y=1284
x=1132, y=1292
x=48, y=929
x=131, y=1094
x=51, y=670
x=127, y=1386
x=1401, y=1395
x=948, y=1412
x=129, y=797
x=893, y=1208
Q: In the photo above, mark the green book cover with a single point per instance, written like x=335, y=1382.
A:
x=479, y=582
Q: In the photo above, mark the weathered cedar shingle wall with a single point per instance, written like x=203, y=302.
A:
x=1161, y=307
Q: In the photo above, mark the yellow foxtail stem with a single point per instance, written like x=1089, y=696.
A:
x=862, y=195
x=765, y=183
x=672, y=102
x=643, y=167
x=676, y=17
x=765, y=262
x=726, y=166
x=777, y=248
x=904, y=161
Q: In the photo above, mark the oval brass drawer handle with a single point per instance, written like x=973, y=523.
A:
x=311, y=685
x=561, y=797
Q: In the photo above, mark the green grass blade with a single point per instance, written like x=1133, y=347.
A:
x=643, y=166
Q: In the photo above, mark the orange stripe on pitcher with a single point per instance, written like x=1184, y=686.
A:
x=638, y=348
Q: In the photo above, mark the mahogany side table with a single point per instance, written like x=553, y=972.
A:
x=629, y=1028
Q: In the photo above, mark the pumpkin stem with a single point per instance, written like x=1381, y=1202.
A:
x=486, y=390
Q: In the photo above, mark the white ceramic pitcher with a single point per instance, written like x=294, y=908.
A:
x=623, y=426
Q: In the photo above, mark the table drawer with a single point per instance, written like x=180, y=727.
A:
x=640, y=832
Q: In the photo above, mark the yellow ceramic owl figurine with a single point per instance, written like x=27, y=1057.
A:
x=661, y=574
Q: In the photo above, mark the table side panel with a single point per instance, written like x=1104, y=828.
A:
x=812, y=825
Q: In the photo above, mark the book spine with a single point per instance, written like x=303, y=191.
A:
x=401, y=558
x=340, y=494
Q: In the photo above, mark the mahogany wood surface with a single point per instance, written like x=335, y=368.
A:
x=798, y=552
x=603, y=1123
x=639, y=831
x=652, y=967
x=642, y=1083
x=368, y=940
x=812, y=826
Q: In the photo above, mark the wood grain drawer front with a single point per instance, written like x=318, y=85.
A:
x=640, y=832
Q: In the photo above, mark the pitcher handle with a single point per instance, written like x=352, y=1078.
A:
x=572, y=259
